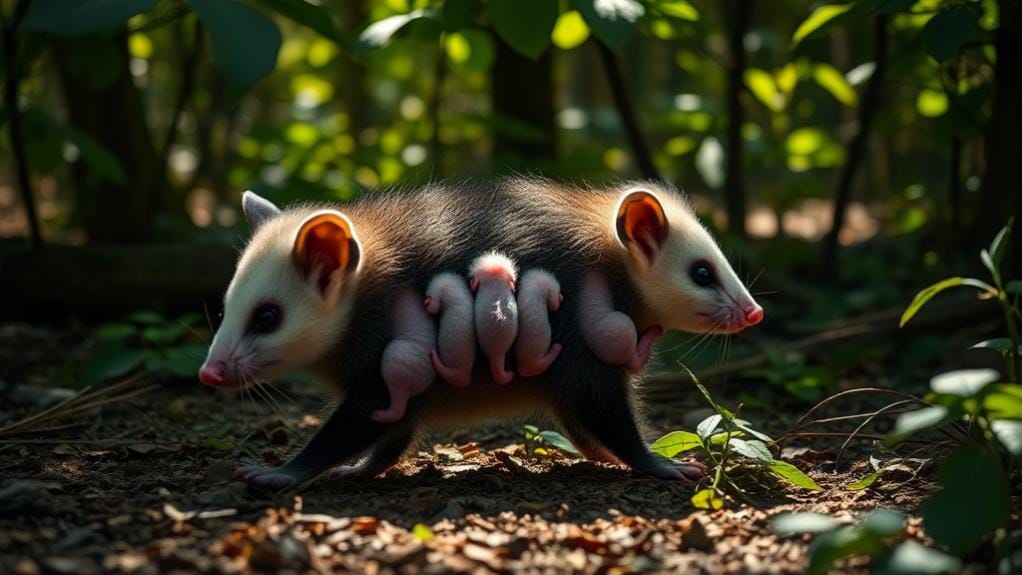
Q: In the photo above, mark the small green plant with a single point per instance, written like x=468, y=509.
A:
x=790, y=373
x=975, y=497
x=147, y=340
x=728, y=442
x=873, y=536
x=541, y=443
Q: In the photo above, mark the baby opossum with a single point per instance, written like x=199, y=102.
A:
x=407, y=369
x=492, y=279
x=539, y=295
x=609, y=333
x=281, y=315
x=449, y=297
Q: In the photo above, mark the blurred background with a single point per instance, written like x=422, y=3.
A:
x=847, y=154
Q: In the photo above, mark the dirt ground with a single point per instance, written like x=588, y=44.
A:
x=144, y=485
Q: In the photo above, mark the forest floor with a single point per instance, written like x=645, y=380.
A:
x=144, y=485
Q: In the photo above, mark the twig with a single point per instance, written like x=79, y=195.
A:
x=870, y=419
x=867, y=112
x=626, y=111
x=12, y=81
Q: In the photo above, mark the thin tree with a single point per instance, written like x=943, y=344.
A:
x=626, y=111
x=734, y=179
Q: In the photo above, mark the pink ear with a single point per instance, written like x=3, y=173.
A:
x=642, y=224
x=325, y=245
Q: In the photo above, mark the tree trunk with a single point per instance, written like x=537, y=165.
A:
x=1001, y=195
x=856, y=150
x=113, y=115
x=523, y=94
x=734, y=182
x=626, y=111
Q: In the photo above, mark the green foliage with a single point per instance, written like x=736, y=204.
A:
x=947, y=32
x=539, y=443
x=728, y=442
x=79, y=17
x=872, y=536
x=245, y=41
x=525, y=25
x=146, y=340
x=612, y=21
x=974, y=500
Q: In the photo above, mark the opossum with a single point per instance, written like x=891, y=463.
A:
x=449, y=298
x=642, y=237
x=539, y=295
x=492, y=280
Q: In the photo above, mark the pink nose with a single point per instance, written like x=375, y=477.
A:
x=212, y=373
x=754, y=315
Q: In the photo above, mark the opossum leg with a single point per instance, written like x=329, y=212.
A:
x=526, y=369
x=599, y=408
x=348, y=432
x=384, y=455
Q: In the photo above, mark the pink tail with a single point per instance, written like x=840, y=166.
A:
x=398, y=402
x=447, y=373
x=500, y=375
x=644, y=349
x=542, y=364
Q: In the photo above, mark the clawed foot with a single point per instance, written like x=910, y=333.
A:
x=688, y=471
x=275, y=478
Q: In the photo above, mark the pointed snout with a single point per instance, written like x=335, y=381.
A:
x=212, y=373
x=753, y=315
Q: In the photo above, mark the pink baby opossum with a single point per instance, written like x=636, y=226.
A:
x=492, y=279
x=539, y=295
x=406, y=366
x=449, y=298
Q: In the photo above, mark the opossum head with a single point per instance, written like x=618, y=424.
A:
x=290, y=295
x=492, y=267
x=684, y=280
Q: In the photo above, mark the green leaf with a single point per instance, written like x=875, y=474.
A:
x=834, y=82
x=804, y=522
x=755, y=450
x=313, y=16
x=163, y=334
x=675, y=442
x=912, y=558
x=818, y=20
x=102, y=161
x=110, y=362
x=114, y=332
x=146, y=317
x=570, y=31
x=927, y=294
x=963, y=382
x=525, y=25
x=217, y=444
x=865, y=482
x=1003, y=401
x=678, y=9
x=747, y=428
x=761, y=84
x=422, y=532
x=708, y=425
x=560, y=442
x=988, y=263
x=1009, y=434
x=707, y=498
x=997, y=246
x=792, y=475
x=612, y=21
x=183, y=361
x=381, y=32
x=245, y=42
x=1014, y=287
x=883, y=522
x=973, y=503
x=999, y=344
x=947, y=32
x=77, y=17
x=840, y=543
x=919, y=420
x=458, y=14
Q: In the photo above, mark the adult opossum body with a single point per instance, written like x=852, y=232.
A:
x=332, y=318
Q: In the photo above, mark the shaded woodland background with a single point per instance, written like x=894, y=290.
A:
x=130, y=128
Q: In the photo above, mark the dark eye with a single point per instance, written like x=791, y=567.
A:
x=702, y=274
x=265, y=318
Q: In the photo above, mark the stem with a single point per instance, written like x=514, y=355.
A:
x=626, y=111
x=734, y=185
x=1013, y=367
x=11, y=83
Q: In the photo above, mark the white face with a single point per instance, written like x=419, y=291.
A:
x=277, y=319
x=689, y=284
